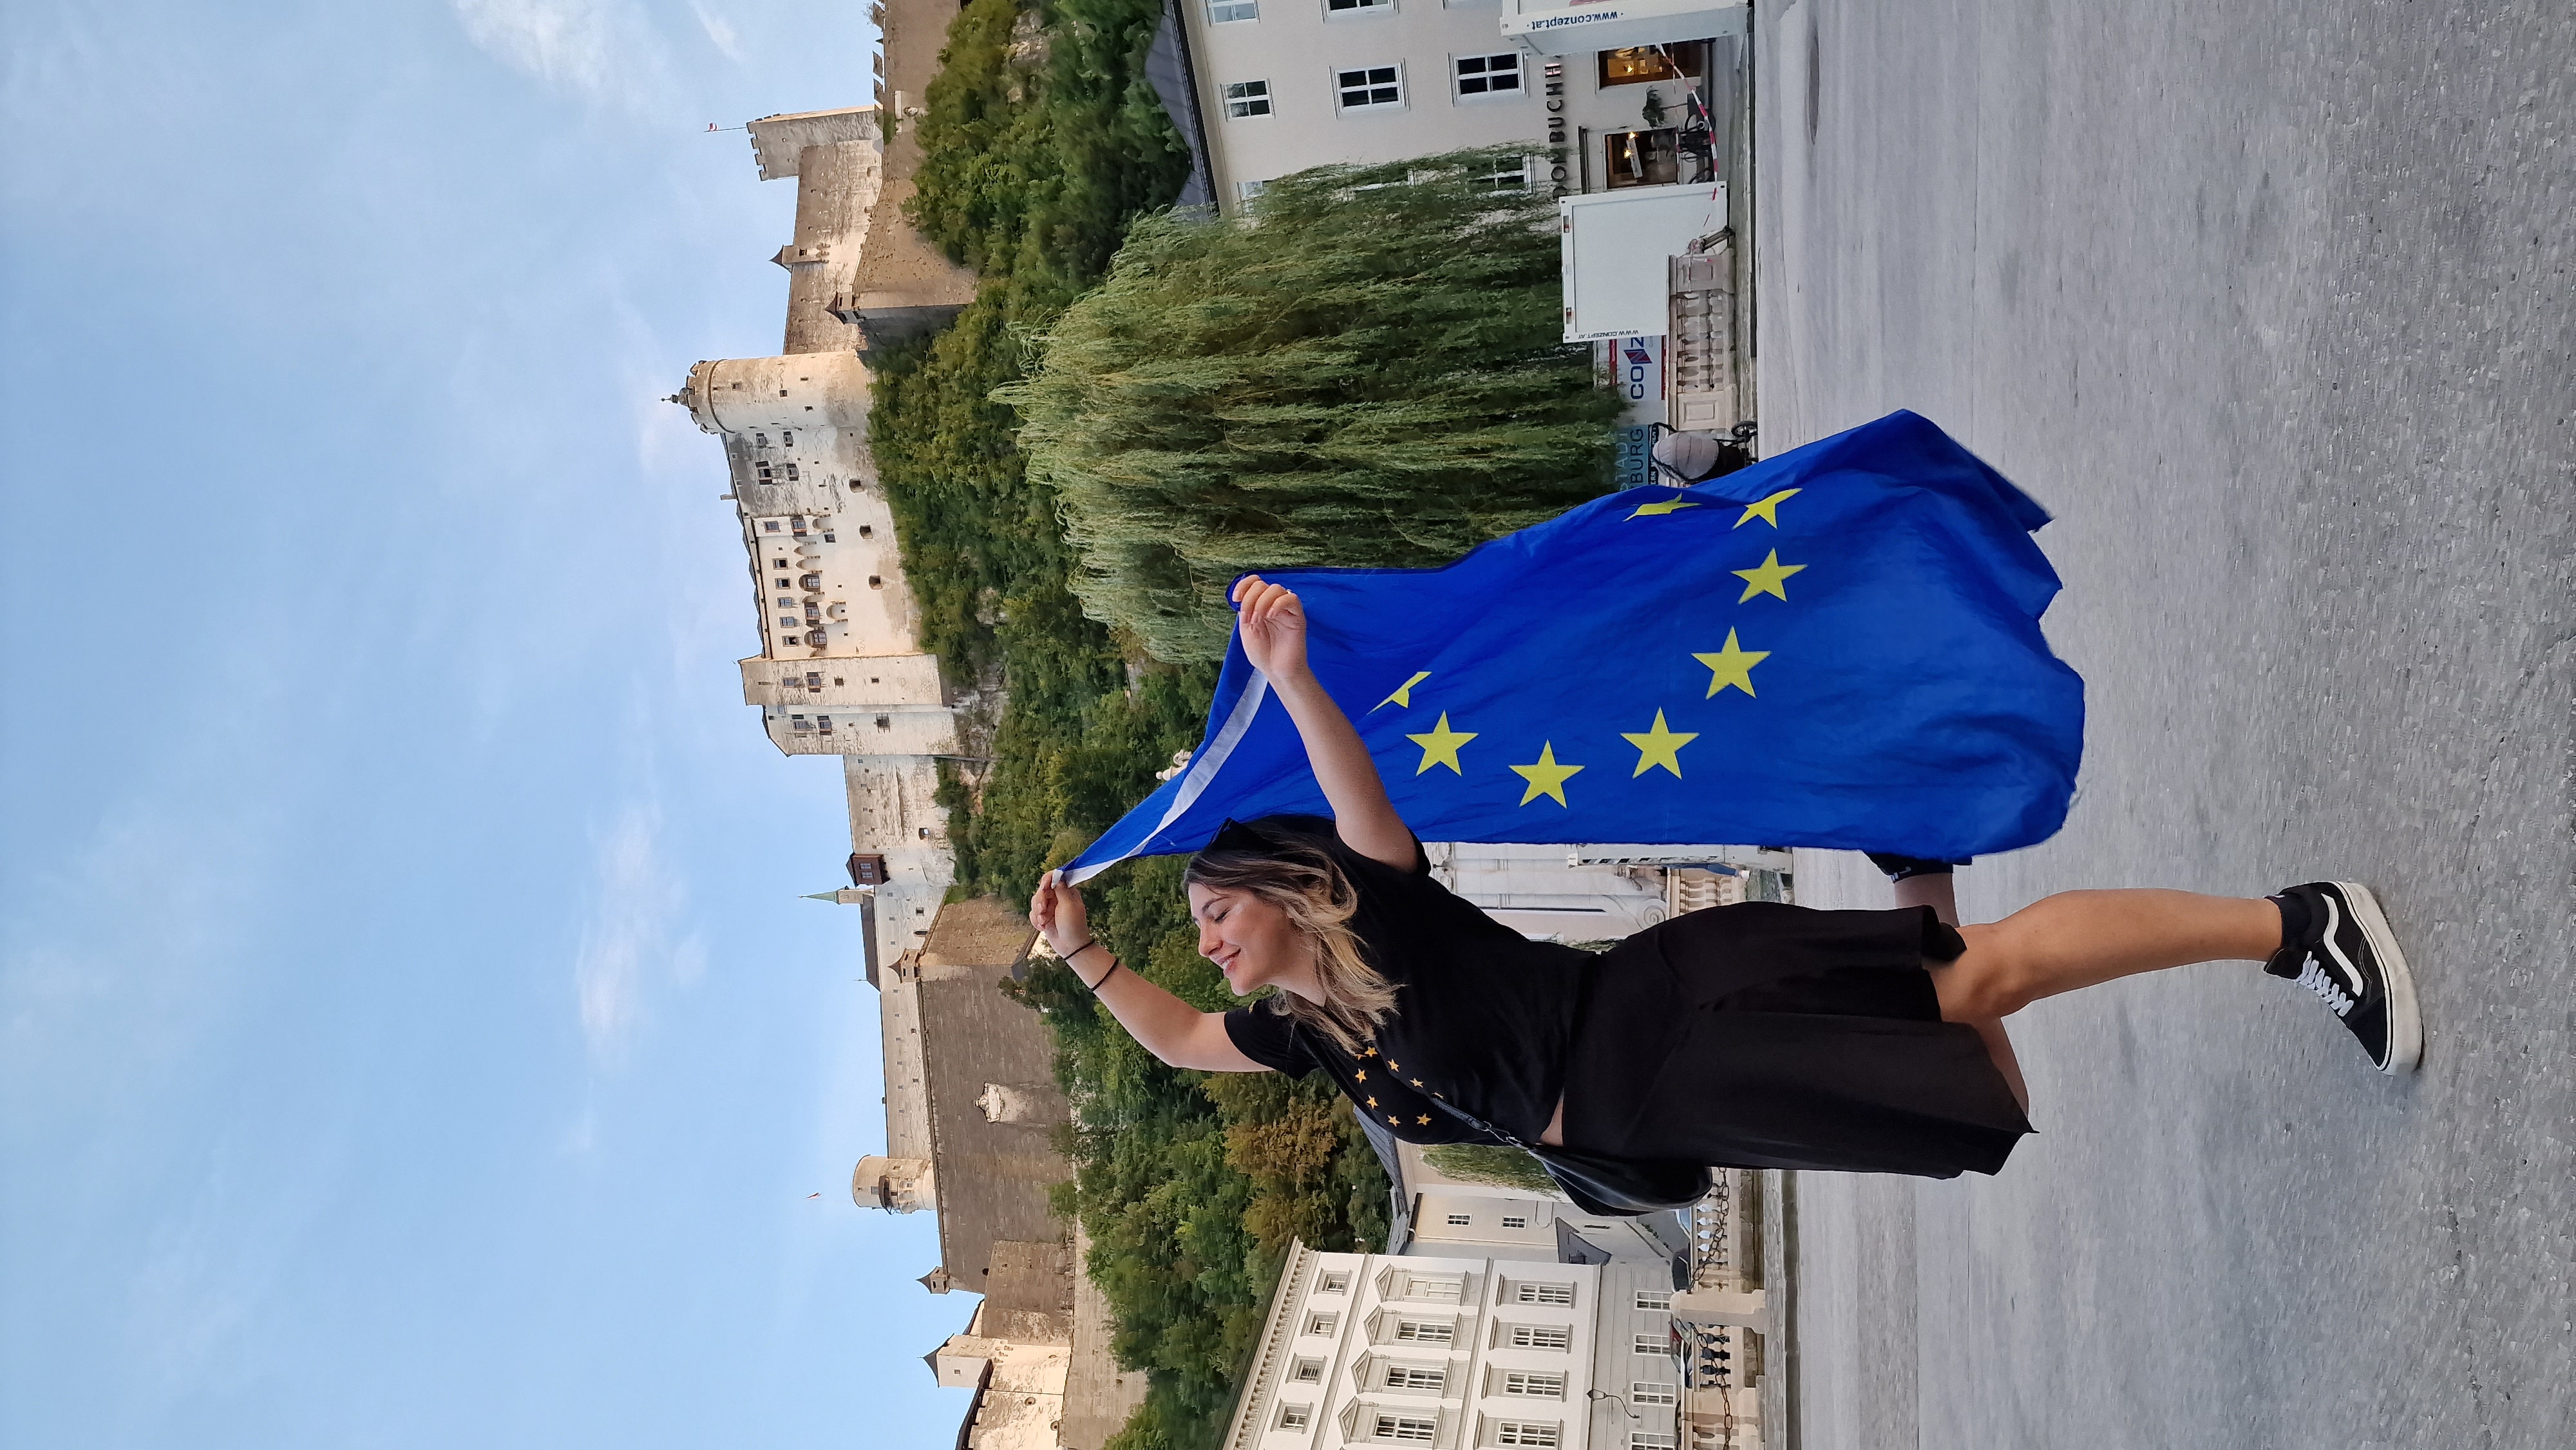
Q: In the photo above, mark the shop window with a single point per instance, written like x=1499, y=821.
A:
x=1641, y=64
x=1642, y=158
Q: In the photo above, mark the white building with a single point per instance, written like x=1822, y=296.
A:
x=1367, y=1350
x=1283, y=85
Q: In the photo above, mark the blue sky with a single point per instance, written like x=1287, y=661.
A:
x=409, y=1030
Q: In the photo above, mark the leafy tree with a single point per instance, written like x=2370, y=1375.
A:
x=1493, y=1163
x=1367, y=372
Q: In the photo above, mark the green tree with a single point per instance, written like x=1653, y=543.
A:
x=1366, y=372
x=1490, y=1163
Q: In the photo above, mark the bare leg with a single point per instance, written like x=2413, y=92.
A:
x=1940, y=892
x=2084, y=938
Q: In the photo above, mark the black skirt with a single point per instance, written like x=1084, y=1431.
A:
x=1764, y=1035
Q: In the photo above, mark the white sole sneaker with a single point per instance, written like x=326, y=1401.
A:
x=2405, y=1026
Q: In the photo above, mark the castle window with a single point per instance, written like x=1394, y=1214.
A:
x=867, y=531
x=810, y=581
x=836, y=679
x=786, y=440
x=771, y=525
x=823, y=723
x=779, y=563
x=875, y=582
x=827, y=538
x=814, y=681
x=798, y=722
x=885, y=722
x=854, y=485
x=759, y=440
x=791, y=473
x=788, y=621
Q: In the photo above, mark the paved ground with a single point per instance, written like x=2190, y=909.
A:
x=2272, y=303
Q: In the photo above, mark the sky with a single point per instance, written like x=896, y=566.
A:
x=410, y=1033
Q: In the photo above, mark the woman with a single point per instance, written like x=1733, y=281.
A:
x=1757, y=1036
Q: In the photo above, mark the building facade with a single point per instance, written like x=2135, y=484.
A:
x=1460, y=1352
x=1284, y=85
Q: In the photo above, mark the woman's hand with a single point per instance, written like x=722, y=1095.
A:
x=1059, y=915
x=1273, y=626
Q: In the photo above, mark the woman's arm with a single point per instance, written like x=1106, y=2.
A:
x=1273, y=625
x=1170, y=1028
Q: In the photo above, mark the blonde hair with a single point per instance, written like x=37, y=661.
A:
x=1306, y=885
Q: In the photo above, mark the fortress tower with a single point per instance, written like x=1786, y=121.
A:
x=898, y=1185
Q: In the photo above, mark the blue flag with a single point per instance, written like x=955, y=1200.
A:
x=1837, y=647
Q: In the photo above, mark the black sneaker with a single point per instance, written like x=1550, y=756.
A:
x=2349, y=958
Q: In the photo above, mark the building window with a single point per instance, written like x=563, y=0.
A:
x=1224, y=12
x=1438, y=1288
x=1350, y=7
x=791, y=473
x=799, y=722
x=1415, y=1377
x=876, y=581
x=1543, y=1293
x=1653, y=1343
x=1405, y=1427
x=770, y=526
x=823, y=723
x=1425, y=1331
x=1533, y=1434
x=1642, y=158
x=866, y=531
x=1294, y=1417
x=1640, y=64
x=817, y=638
x=1459, y=1220
x=1489, y=75
x=760, y=440
x=1543, y=1384
x=1542, y=1336
x=885, y=722
x=1307, y=1372
x=1336, y=1282
x=778, y=563
x=1654, y=1298
x=786, y=440
x=1651, y=1392
x=809, y=581
x=1514, y=1220
x=1506, y=176
x=1247, y=98
x=1247, y=190
x=814, y=681
x=788, y=621
x=1322, y=1323
x=827, y=538
x=1651, y=1440
x=1370, y=88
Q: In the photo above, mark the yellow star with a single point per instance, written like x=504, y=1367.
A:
x=1393, y=1123
x=1394, y=1066
x=1660, y=747
x=1657, y=510
x=1768, y=510
x=1733, y=666
x=1372, y=1102
x=1765, y=578
x=1363, y=1074
x=1547, y=778
x=1440, y=747
x=1424, y=1120
x=1372, y=1052
x=1417, y=1082
x=1403, y=693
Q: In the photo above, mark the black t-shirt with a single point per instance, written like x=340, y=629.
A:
x=1483, y=1015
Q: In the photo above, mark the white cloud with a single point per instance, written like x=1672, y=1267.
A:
x=599, y=50
x=721, y=32
x=632, y=938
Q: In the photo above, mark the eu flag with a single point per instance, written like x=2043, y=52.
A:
x=1837, y=647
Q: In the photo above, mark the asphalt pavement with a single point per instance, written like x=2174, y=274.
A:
x=2271, y=304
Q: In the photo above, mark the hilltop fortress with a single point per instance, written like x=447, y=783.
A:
x=971, y=1101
